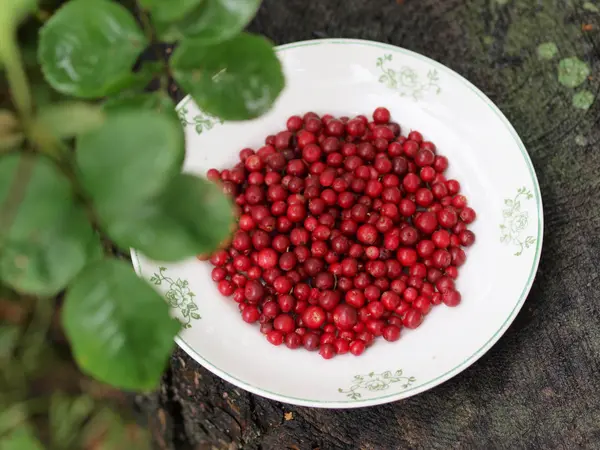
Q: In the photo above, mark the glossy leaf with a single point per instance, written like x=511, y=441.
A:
x=166, y=11
x=68, y=119
x=119, y=327
x=46, y=238
x=88, y=48
x=193, y=216
x=130, y=158
x=213, y=21
x=236, y=80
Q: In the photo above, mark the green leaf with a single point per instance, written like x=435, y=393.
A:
x=156, y=101
x=45, y=238
x=22, y=438
x=236, y=80
x=119, y=327
x=68, y=119
x=88, y=48
x=129, y=159
x=166, y=11
x=44, y=262
x=212, y=22
x=193, y=216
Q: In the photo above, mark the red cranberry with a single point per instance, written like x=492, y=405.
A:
x=357, y=347
x=313, y=317
x=451, y=298
x=275, y=337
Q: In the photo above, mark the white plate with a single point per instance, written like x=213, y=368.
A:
x=350, y=77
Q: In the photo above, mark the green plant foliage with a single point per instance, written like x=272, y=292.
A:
x=48, y=239
x=21, y=438
x=50, y=256
x=192, y=212
x=68, y=119
x=153, y=101
x=119, y=327
x=166, y=11
x=212, y=22
x=88, y=48
x=129, y=159
x=75, y=174
x=237, y=79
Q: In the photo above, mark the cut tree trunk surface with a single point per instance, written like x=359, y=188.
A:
x=539, y=386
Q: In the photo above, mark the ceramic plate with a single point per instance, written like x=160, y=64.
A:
x=350, y=77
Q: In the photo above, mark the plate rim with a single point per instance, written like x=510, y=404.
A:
x=467, y=362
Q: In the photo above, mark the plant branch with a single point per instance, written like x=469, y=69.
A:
x=17, y=78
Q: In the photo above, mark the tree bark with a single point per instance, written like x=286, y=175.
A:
x=538, y=387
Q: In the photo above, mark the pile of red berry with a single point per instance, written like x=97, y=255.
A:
x=347, y=231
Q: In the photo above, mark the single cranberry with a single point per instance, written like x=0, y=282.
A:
x=357, y=347
x=296, y=213
x=310, y=341
x=355, y=298
x=468, y=215
x=327, y=351
x=250, y=314
x=294, y=123
x=275, y=337
x=447, y=217
x=426, y=222
x=381, y=115
x=467, y=238
x=458, y=256
x=412, y=319
x=391, y=333
x=226, y=288
x=407, y=256
x=267, y=258
x=254, y=291
x=451, y=298
x=367, y=234
x=313, y=266
x=284, y=323
x=293, y=341
x=445, y=284
x=313, y=317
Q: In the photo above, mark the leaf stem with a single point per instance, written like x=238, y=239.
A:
x=17, y=78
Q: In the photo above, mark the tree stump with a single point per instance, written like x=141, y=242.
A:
x=539, y=386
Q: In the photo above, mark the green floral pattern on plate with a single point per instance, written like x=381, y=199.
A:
x=376, y=382
x=178, y=296
x=202, y=122
x=407, y=81
x=516, y=219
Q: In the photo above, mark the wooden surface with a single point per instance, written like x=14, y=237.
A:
x=539, y=386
